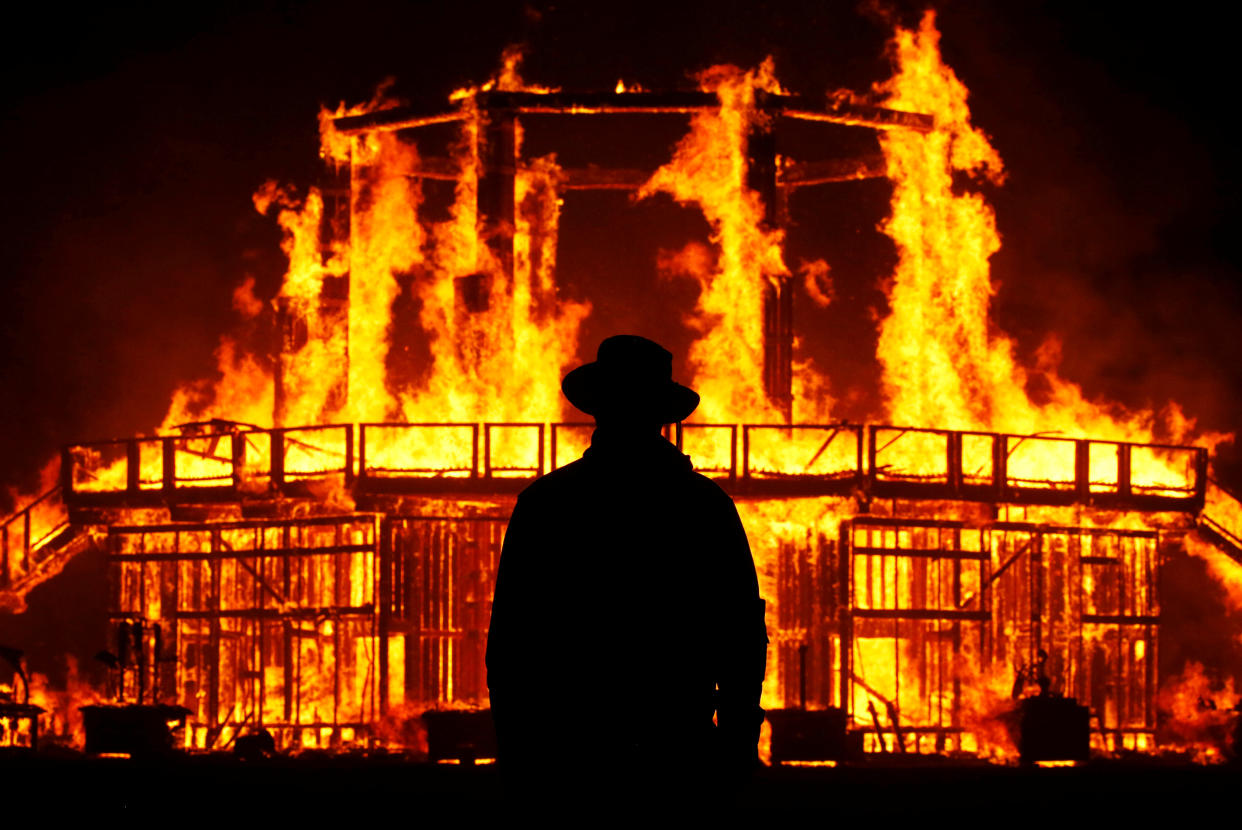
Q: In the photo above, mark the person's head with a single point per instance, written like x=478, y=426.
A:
x=630, y=386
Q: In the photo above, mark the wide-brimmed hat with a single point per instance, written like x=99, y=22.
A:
x=631, y=375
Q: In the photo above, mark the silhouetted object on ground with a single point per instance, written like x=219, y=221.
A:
x=13, y=656
x=19, y=722
x=19, y=726
x=626, y=608
x=1237, y=733
x=813, y=735
x=1053, y=729
x=255, y=745
x=131, y=730
x=1034, y=673
x=460, y=735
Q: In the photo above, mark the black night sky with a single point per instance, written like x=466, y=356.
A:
x=133, y=140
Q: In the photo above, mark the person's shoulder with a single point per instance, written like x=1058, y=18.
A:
x=707, y=490
x=556, y=483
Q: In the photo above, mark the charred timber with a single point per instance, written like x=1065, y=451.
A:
x=807, y=173
x=790, y=173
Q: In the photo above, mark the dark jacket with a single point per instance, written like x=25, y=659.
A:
x=626, y=612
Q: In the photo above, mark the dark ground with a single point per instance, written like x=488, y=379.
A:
x=223, y=790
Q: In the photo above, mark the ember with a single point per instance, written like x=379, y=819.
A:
x=309, y=552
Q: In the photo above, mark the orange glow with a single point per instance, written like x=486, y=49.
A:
x=938, y=674
x=1199, y=716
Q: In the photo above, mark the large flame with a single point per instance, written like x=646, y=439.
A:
x=943, y=358
x=708, y=169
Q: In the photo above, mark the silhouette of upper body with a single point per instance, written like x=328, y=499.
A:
x=627, y=611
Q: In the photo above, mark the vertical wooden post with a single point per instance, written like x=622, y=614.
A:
x=1201, y=475
x=385, y=603
x=349, y=454
x=745, y=451
x=133, y=466
x=292, y=647
x=276, y=464
x=238, y=455
x=474, y=451
x=487, y=450
x=733, y=452
x=871, y=451
x=540, y=470
x=169, y=471
x=1000, y=466
x=213, y=646
x=26, y=541
x=955, y=714
x=497, y=165
x=1123, y=471
x=953, y=462
x=761, y=177
x=845, y=604
x=1082, y=470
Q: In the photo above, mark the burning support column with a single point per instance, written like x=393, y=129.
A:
x=312, y=315
x=497, y=157
x=761, y=178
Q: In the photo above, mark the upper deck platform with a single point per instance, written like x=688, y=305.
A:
x=756, y=461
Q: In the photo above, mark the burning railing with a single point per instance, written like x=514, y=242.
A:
x=920, y=628
x=751, y=459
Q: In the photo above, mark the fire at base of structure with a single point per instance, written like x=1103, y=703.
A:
x=297, y=580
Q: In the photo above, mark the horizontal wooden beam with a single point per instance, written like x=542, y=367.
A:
x=807, y=173
x=603, y=178
x=923, y=553
x=595, y=177
x=945, y=615
x=399, y=118
x=437, y=167
x=865, y=116
x=634, y=103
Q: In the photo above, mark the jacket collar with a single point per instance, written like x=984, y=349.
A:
x=630, y=450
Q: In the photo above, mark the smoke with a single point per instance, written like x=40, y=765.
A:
x=817, y=280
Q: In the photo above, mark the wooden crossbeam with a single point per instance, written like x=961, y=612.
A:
x=792, y=173
x=794, y=107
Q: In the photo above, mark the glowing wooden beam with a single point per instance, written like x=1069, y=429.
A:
x=636, y=103
x=807, y=173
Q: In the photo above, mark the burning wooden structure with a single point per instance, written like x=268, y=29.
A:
x=263, y=602
x=329, y=575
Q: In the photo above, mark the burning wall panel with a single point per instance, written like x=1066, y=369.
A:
x=443, y=571
x=911, y=631
x=931, y=605
x=805, y=627
x=262, y=624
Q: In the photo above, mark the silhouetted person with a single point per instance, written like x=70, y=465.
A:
x=626, y=611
